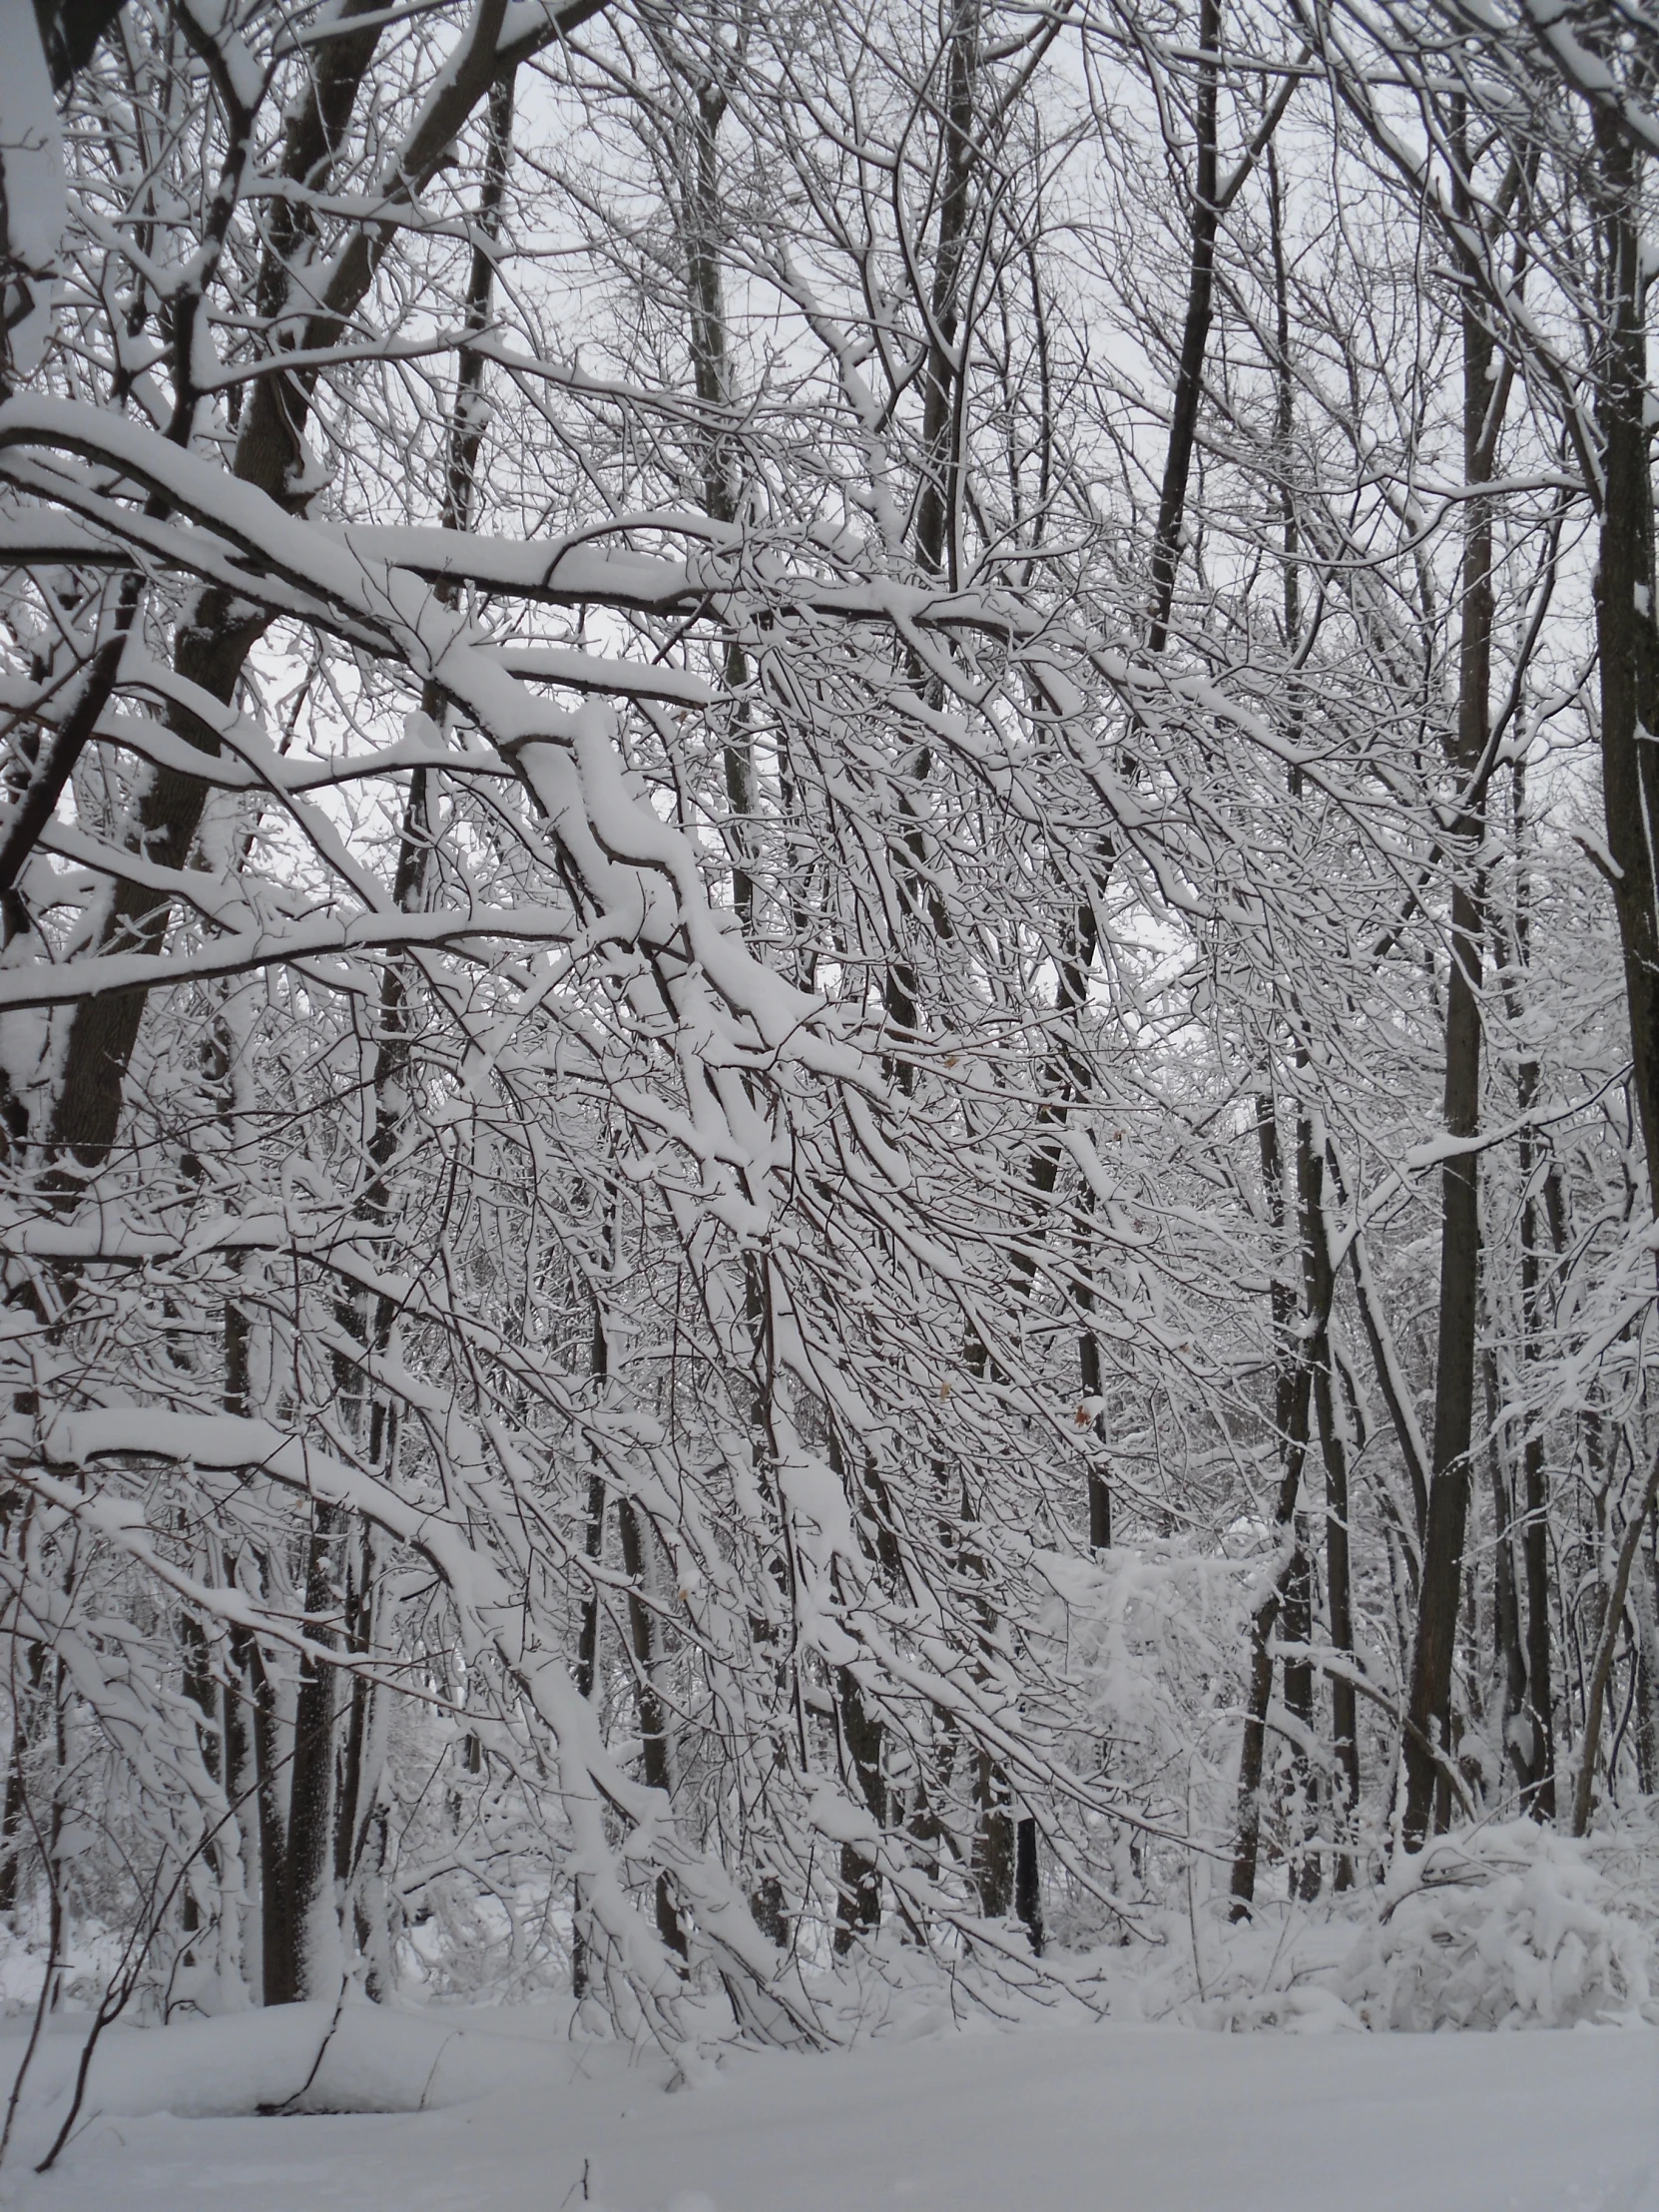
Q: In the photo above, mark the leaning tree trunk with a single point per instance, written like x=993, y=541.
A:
x=1195, y=331
x=212, y=648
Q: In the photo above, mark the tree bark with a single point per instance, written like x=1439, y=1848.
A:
x=1028, y=1896
x=859, y=1895
x=1434, y=1645
x=1195, y=331
x=1538, y=1708
x=1626, y=634
x=1291, y=1595
x=993, y=1839
x=212, y=649
x=656, y=1751
x=1601, y=1668
x=278, y=1983
x=1332, y=1433
x=307, y=1871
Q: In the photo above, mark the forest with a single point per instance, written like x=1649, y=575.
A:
x=830, y=1009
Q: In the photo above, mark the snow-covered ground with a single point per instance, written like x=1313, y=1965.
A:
x=1046, y=2119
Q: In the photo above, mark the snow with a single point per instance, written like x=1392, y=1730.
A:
x=1103, y=2117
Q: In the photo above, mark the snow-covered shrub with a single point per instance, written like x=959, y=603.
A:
x=1504, y=1927
x=1145, y=1641
x=1500, y=1926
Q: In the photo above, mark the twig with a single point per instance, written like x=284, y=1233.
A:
x=1603, y=1666
x=270, y=2111
x=126, y=1979
x=53, y=1938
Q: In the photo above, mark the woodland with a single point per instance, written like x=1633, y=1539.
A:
x=830, y=1006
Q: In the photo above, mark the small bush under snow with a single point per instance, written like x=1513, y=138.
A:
x=1507, y=1926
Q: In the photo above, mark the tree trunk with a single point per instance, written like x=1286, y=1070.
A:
x=277, y=1950
x=1028, y=1897
x=1333, y=1431
x=1195, y=333
x=308, y=1865
x=1508, y=1652
x=17, y=1782
x=1626, y=634
x=357, y=1783
x=993, y=1839
x=1433, y=1654
x=1538, y=1711
x=1647, y=1674
x=241, y=1787
x=656, y=1752
x=212, y=649
x=1291, y=1592
x=858, y=1896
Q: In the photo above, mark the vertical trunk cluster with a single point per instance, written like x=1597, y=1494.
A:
x=1289, y=1602
x=1305, y=1368
x=212, y=648
x=315, y=1780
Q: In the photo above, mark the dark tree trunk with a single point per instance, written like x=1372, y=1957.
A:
x=586, y=1666
x=1321, y=1291
x=1434, y=1647
x=655, y=1753
x=1429, y=1705
x=1094, y=1386
x=1508, y=1647
x=722, y=478
x=16, y=1782
x=1195, y=333
x=1247, y=1843
x=1291, y=1595
x=859, y=1899
x=1259, y=1695
x=202, y=1693
x=1028, y=1896
x=355, y=1793
x=936, y=508
x=1066, y=1083
x=1601, y=1668
x=307, y=1868
x=242, y=1782
x=593, y=1549
x=1538, y=1757
x=1647, y=1674
x=1303, y=1793
x=1626, y=634
x=993, y=1839
x=212, y=649
x=277, y=1984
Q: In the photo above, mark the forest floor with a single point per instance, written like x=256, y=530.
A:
x=1078, y=2119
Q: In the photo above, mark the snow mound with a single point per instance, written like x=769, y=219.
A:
x=1499, y=1928
x=292, y=2058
